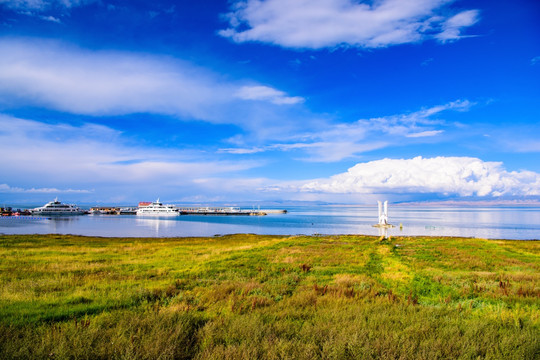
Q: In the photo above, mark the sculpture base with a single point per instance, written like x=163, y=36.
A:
x=385, y=226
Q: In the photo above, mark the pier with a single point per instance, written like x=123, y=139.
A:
x=219, y=211
x=104, y=210
x=116, y=210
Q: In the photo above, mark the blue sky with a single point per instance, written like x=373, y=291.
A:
x=223, y=101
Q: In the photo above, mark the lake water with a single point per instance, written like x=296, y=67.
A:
x=488, y=222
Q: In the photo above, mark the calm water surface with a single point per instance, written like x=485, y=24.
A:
x=489, y=222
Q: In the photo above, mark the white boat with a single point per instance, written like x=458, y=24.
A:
x=57, y=208
x=158, y=209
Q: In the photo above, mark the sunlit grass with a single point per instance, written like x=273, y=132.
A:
x=249, y=296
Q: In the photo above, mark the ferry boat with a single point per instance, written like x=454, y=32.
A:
x=156, y=208
x=57, y=208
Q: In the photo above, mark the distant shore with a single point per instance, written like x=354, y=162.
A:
x=217, y=236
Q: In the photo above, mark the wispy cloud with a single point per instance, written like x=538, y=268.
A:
x=415, y=124
x=535, y=60
x=329, y=23
x=427, y=62
x=526, y=146
x=51, y=19
x=94, y=156
x=43, y=5
x=453, y=27
x=319, y=151
x=519, y=140
x=47, y=10
x=335, y=142
x=5, y=188
x=266, y=93
x=425, y=133
x=243, y=151
x=463, y=176
x=65, y=78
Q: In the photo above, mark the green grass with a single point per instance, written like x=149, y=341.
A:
x=268, y=297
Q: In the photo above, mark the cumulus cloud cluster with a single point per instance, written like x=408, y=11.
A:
x=462, y=176
x=94, y=156
x=329, y=23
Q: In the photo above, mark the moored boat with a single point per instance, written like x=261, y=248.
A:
x=55, y=207
x=156, y=208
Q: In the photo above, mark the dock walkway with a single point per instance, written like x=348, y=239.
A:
x=219, y=211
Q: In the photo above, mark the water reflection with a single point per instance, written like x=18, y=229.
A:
x=494, y=223
x=59, y=223
x=158, y=226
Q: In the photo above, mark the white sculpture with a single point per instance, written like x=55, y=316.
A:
x=383, y=224
x=383, y=213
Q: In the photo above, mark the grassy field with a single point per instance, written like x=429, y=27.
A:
x=268, y=297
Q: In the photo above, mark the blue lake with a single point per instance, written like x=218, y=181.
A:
x=481, y=222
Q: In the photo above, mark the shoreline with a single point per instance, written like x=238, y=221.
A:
x=216, y=236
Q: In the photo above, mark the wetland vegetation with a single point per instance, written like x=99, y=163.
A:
x=268, y=297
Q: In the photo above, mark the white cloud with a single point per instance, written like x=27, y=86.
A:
x=328, y=151
x=51, y=19
x=525, y=145
x=24, y=4
x=335, y=142
x=463, y=176
x=242, y=151
x=94, y=156
x=427, y=62
x=424, y=133
x=42, y=5
x=335, y=150
x=266, y=93
x=317, y=24
x=453, y=26
x=416, y=124
x=60, y=77
x=458, y=105
x=5, y=188
x=519, y=139
x=97, y=83
x=535, y=60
